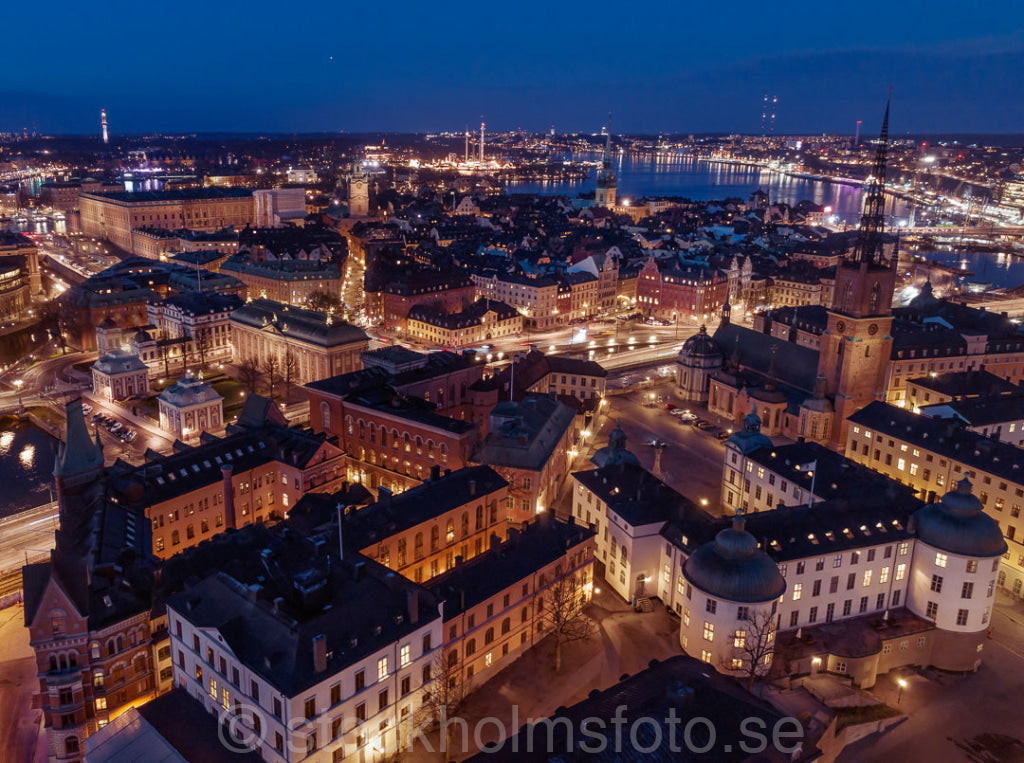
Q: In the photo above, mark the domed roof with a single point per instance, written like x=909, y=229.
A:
x=733, y=568
x=750, y=438
x=615, y=451
x=189, y=391
x=701, y=345
x=925, y=299
x=959, y=525
x=143, y=336
x=107, y=323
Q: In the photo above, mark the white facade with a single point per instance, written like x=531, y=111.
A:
x=276, y=205
x=714, y=630
x=956, y=592
x=339, y=702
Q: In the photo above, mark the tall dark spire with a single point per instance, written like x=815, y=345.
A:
x=872, y=220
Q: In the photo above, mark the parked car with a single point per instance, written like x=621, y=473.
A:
x=724, y=435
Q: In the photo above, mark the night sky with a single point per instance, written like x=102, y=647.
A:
x=272, y=66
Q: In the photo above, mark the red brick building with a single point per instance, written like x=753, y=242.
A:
x=692, y=292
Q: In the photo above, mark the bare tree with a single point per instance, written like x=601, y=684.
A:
x=201, y=344
x=442, y=697
x=322, y=302
x=562, y=610
x=165, y=352
x=249, y=373
x=290, y=370
x=753, y=647
x=271, y=368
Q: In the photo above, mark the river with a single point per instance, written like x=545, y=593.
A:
x=26, y=465
x=680, y=174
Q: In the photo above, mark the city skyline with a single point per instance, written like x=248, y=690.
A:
x=345, y=71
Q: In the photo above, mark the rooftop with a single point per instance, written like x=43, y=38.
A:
x=305, y=325
x=177, y=194
x=524, y=435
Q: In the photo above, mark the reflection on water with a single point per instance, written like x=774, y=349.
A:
x=677, y=174
x=26, y=465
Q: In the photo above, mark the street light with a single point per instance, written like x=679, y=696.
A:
x=903, y=685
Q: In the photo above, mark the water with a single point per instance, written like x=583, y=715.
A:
x=26, y=465
x=678, y=174
x=1000, y=269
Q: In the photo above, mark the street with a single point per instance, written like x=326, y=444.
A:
x=27, y=536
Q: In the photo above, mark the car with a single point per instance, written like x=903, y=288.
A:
x=670, y=406
x=724, y=435
x=132, y=435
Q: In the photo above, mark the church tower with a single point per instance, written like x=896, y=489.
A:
x=857, y=343
x=606, y=178
x=358, y=192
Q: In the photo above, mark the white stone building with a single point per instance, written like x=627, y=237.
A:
x=119, y=376
x=190, y=407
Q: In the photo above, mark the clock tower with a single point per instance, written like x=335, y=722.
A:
x=857, y=343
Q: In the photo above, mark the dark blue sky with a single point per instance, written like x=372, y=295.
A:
x=262, y=65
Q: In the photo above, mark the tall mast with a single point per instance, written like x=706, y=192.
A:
x=872, y=220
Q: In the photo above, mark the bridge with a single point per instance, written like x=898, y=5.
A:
x=971, y=230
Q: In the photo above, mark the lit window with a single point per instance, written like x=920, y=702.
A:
x=901, y=571
x=940, y=560
x=382, y=668
x=406, y=655
x=709, y=631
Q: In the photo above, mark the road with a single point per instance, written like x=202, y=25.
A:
x=20, y=739
x=27, y=536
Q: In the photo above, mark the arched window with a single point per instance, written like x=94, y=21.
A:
x=394, y=439
x=847, y=298
x=419, y=447
x=120, y=643
x=449, y=533
x=489, y=636
x=350, y=426
x=63, y=661
x=506, y=625
x=430, y=450
x=57, y=623
x=470, y=646
x=190, y=532
x=73, y=660
x=444, y=453
x=373, y=432
x=435, y=537
x=465, y=524
x=53, y=663
x=362, y=430
x=110, y=647
x=71, y=746
x=876, y=296
x=325, y=416
x=407, y=442
x=417, y=547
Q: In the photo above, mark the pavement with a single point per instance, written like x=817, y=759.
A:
x=623, y=641
x=21, y=736
x=957, y=717
x=692, y=462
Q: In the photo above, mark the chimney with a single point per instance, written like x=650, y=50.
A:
x=412, y=599
x=320, y=653
x=229, y=496
x=472, y=488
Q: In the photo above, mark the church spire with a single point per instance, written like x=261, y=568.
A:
x=872, y=220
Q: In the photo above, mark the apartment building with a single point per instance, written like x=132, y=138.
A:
x=536, y=298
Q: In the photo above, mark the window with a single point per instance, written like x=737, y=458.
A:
x=932, y=610
x=405, y=655
x=972, y=565
x=961, y=617
x=711, y=606
x=883, y=576
x=901, y=571
x=967, y=591
x=937, y=583
x=739, y=639
x=798, y=591
x=382, y=668
x=837, y=561
x=940, y=560
x=705, y=656
x=867, y=578
x=709, y=631
x=742, y=613
x=382, y=700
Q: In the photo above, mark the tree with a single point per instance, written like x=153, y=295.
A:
x=290, y=370
x=249, y=373
x=753, y=647
x=442, y=697
x=562, y=611
x=201, y=344
x=322, y=302
x=271, y=366
x=165, y=351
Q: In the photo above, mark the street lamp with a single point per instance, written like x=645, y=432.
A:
x=17, y=384
x=903, y=685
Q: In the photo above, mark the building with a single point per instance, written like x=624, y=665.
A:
x=358, y=192
x=691, y=292
x=760, y=476
x=580, y=383
x=391, y=440
x=500, y=604
x=276, y=206
x=932, y=455
x=190, y=329
x=21, y=282
x=323, y=658
x=315, y=344
x=483, y=321
x=441, y=378
x=420, y=532
x=647, y=710
x=605, y=194
x=952, y=386
x=115, y=216
x=88, y=607
x=530, y=444
x=535, y=298
x=291, y=282
x=252, y=475
x=699, y=357
x=189, y=408
x=1001, y=418
x=441, y=291
x=119, y=376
